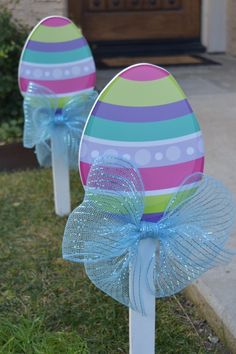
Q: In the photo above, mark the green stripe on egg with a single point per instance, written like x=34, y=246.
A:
x=152, y=204
x=142, y=93
x=56, y=34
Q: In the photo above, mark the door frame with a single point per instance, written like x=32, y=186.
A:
x=214, y=20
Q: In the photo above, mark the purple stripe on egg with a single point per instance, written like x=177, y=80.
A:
x=154, y=217
x=56, y=47
x=141, y=114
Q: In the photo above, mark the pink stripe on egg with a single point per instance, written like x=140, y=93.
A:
x=56, y=22
x=144, y=72
x=156, y=178
x=63, y=86
x=169, y=176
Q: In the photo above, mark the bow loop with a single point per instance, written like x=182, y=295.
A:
x=39, y=109
x=43, y=117
x=106, y=231
x=108, y=216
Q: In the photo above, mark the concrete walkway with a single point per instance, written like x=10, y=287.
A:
x=212, y=93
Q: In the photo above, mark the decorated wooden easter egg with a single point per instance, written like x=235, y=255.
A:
x=144, y=116
x=57, y=56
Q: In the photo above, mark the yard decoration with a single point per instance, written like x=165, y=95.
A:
x=57, y=78
x=151, y=222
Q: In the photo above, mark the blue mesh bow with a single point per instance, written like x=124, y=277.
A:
x=42, y=117
x=105, y=231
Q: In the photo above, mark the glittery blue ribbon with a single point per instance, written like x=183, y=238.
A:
x=106, y=230
x=43, y=118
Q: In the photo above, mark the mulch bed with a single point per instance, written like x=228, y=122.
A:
x=15, y=157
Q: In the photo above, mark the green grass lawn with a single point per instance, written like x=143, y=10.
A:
x=47, y=305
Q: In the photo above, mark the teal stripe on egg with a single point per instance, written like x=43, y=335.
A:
x=56, y=57
x=148, y=131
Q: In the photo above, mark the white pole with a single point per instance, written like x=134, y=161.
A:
x=60, y=171
x=142, y=327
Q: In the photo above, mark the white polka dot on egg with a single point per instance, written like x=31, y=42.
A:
x=158, y=156
x=75, y=70
x=173, y=153
x=66, y=72
x=94, y=154
x=126, y=156
x=37, y=73
x=190, y=150
x=47, y=73
x=57, y=73
x=86, y=68
x=142, y=157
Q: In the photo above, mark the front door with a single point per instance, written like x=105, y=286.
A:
x=127, y=20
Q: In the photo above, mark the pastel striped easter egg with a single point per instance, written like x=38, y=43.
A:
x=144, y=116
x=57, y=56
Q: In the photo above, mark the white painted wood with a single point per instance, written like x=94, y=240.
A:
x=141, y=327
x=204, y=22
x=61, y=174
x=214, y=25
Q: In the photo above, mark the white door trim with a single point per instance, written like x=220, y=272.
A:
x=213, y=25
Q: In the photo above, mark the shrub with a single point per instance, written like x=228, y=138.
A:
x=12, y=38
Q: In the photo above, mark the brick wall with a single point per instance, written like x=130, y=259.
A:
x=231, y=27
x=29, y=12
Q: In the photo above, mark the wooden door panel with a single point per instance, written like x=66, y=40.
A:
x=151, y=4
x=133, y=5
x=115, y=5
x=172, y=4
x=96, y=5
x=110, y=20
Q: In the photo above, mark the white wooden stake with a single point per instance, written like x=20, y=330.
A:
x=142, y=328
x=60, y=171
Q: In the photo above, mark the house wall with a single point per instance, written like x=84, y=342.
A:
x=30, y=12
